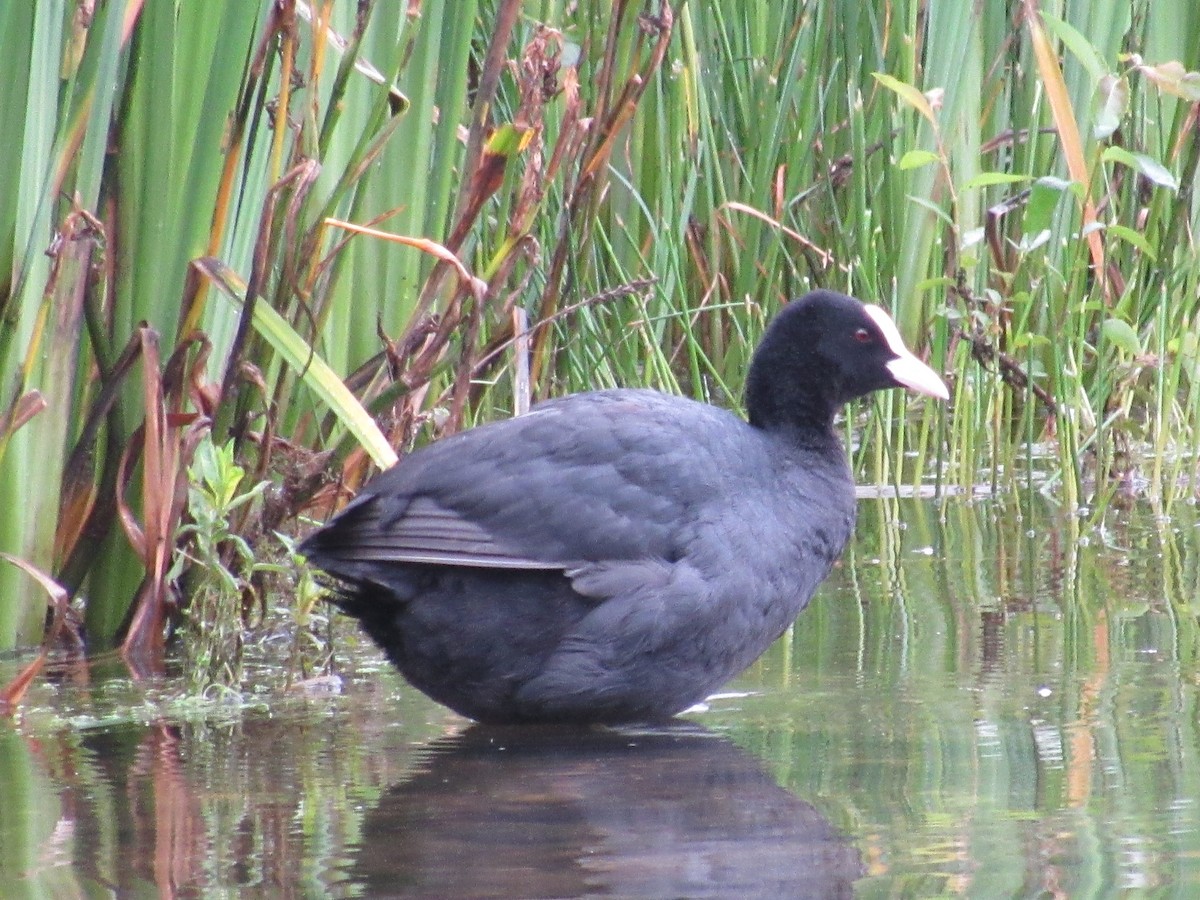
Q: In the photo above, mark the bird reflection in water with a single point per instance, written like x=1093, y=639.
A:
x=561, y=812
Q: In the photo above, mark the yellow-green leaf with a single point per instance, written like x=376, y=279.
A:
x=1121, y=335
x=1079, y=46
x=909, y=94
x=1146, y=165
x=1136, y=238
x=988, y=179
x=315, y=372
x=914, y=159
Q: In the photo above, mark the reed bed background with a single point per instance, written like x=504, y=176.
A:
x=591, y=193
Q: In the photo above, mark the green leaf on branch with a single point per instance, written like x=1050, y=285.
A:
x=1145, y=165
x=1121, y=335
x=909, y=94
x=915, y=159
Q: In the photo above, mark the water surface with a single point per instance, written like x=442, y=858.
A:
x=988, y=698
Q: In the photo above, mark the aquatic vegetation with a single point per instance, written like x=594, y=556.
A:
x=581, y=201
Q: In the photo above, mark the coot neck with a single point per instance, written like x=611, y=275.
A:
x=796, y=402
x=826, y=440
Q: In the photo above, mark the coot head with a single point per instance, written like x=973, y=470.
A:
x=822, y=351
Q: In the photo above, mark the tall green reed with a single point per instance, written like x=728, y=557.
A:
x=652, y=183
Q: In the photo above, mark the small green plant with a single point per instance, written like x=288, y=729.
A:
x=306, y=619
x=220, y=567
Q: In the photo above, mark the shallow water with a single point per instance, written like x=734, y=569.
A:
x=987, y=698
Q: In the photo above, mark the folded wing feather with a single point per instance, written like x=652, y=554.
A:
x=429, y=533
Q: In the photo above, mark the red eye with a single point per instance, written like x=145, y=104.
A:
x=862, y=336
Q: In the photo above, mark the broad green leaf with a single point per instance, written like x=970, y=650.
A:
x=1061, y=184
x=988, y=179
x=1043, y=199
x=1029, y=339
x=314, y=371
x=1136, y=238
x=933, y=208
x=1146, y=165
x=509, y=140
x=914, y=159
x=1186, y=344
x=1121, y=335
x=1079, y=46
x=909, y=94
x=941, y=283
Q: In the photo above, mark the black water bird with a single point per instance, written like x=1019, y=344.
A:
x=618, y=555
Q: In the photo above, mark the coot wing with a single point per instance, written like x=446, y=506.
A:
x=425, y=532
x=607, y=476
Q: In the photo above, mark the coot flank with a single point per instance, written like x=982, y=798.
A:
x=617, y=555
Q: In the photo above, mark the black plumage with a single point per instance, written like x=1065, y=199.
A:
x=617, y=555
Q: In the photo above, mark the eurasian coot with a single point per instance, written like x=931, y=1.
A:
x=616, y=556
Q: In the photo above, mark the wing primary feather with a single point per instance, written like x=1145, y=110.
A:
x=425, y=532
